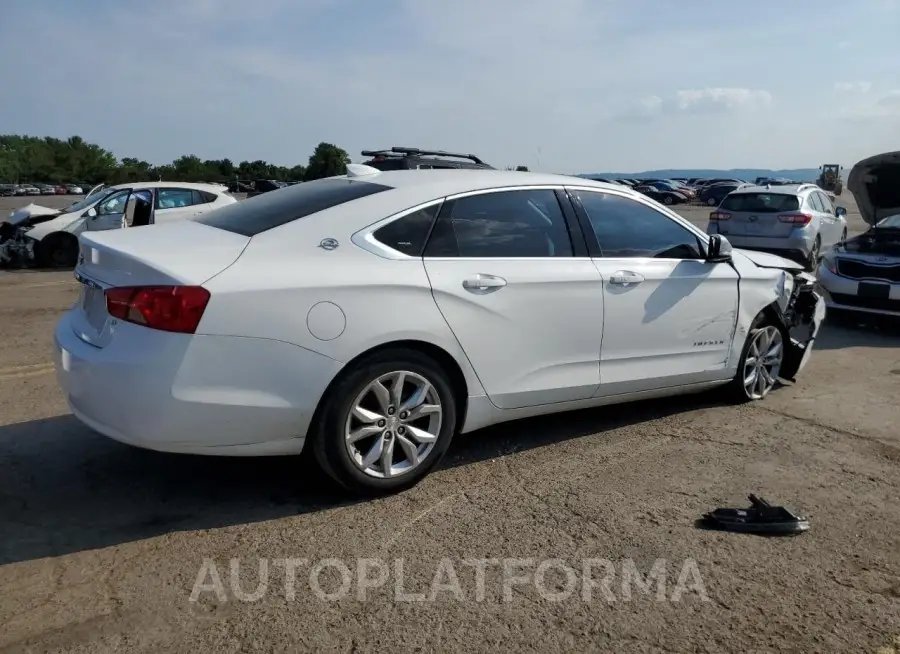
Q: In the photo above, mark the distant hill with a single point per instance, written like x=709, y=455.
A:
x=749, y=174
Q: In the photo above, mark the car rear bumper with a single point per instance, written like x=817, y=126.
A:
x=217, y=395
x=797, y=246
x=843, y=293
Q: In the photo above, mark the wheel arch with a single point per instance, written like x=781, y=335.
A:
x=442, y=357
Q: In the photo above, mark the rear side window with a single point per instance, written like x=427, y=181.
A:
x=275, y=208
x=815, y=203
x=204, y=197
x=761, y=202
x=409, y=233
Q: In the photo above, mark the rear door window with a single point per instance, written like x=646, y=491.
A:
x=812, y=201
x=825, y=201
x=174, y=198
x=760, y=202
x=275, y=208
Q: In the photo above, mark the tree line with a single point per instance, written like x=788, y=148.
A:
x=48, y=160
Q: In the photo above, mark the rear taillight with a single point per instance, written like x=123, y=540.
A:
x=168, y=308
x=719, y=215
x=795, y=218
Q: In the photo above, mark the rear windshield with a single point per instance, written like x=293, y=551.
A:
x=761, y=202
x=275, y=208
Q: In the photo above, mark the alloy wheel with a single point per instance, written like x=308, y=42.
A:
x=762, y=364
x=393, y=425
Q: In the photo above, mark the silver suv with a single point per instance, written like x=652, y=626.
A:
x=796, y=221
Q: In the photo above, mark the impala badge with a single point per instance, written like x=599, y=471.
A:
x=328, y=244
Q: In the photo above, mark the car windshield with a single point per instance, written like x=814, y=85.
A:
x=761, y=202
x=891, y=222
x=89, y=201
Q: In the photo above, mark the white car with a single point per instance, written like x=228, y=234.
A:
x=862, y=274
x=50, y=236
x=371, y=317
x=72, y=189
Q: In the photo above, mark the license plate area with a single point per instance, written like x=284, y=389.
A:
x=93, y=306
x=873, y=290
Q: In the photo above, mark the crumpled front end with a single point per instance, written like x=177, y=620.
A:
x=802, y=316
x=16, y=249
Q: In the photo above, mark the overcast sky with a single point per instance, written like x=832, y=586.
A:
x=561, y=85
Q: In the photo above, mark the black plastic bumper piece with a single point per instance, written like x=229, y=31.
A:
x=760, y=518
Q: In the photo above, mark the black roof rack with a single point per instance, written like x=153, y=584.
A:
x=397, y=151
x=380, y=153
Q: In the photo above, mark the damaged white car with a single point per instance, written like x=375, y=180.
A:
x=49, y=237
x=369, y=318
x=862, y=274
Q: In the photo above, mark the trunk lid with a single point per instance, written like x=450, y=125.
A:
x=183, y=253
x=875, y=185
x=757, y=214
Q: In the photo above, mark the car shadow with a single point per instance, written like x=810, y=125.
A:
x=66, y=489
x=858, y=330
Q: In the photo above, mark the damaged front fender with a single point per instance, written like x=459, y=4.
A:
x=801, y=317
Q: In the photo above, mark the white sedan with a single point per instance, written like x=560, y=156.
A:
x=370, y=317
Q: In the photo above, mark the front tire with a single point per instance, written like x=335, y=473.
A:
x=760, y=364
x=711, y=202
x=58, y=250
x=386, y=423
x=668, y=199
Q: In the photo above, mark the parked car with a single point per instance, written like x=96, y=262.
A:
x=713, y=194
x=7, y=190
x=73, y=189
x=797, y=222
x=862, y=273
x=50, y=236
x=261, y=186
x=370, y=318
x=27, y=189
x=667, y=197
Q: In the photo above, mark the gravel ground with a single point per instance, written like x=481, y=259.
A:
x=101, y=544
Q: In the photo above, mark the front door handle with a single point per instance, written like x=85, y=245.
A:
x=625, y=278
x=481, y=283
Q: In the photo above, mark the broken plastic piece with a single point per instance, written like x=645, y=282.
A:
x=760, y=518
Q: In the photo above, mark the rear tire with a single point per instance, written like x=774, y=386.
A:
x=363, y=429
x=711, y=202
x=813, y=259
x=58, y=250
x=758, y=359
x=668, y=200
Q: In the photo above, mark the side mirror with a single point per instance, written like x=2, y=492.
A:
x=719, y=249
x=91, y=213
x=840, y=211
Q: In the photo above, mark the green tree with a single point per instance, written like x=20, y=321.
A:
x=327, y=160
x=73, y=160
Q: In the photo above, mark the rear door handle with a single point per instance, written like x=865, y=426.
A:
x=482, y=283
x=625, y=278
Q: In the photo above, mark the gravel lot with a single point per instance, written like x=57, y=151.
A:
x=101, y=544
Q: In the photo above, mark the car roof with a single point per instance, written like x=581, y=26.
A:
x=212, y=188
x=439, y=183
